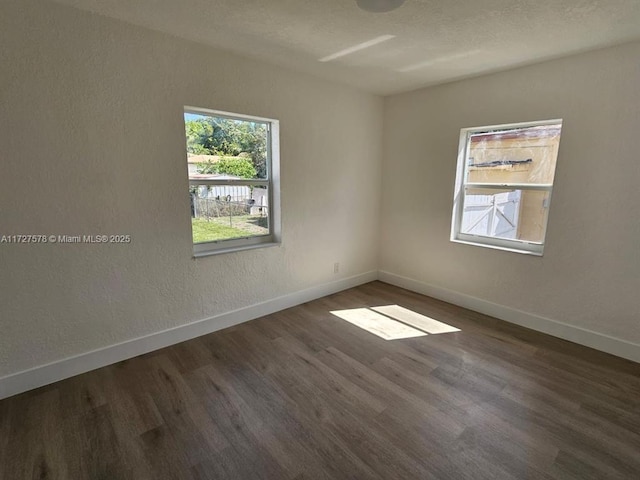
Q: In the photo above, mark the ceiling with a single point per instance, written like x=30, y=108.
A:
x=424, y=42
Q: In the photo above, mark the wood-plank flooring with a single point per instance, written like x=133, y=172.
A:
x=303, y=394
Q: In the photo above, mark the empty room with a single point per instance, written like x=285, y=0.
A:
x=338, y=239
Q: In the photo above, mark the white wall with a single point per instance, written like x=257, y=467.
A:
x=92, y=142
x=589, y=276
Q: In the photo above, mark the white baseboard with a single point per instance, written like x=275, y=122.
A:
x=59, y=370
x=68, y=367
x=582, y=336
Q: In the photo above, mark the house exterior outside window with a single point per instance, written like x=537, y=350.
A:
x=503, y=185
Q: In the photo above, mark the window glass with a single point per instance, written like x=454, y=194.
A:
x=504, y=184
x=231, y=163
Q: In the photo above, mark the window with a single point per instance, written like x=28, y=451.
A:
x=503, y=185
x=232, y=163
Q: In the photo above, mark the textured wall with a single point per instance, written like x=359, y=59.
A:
x=92, y=141
x=589, y=275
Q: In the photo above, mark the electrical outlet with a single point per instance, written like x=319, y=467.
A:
x=336, y=267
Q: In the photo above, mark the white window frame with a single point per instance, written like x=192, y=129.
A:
x=272, y=182
x=511, y=245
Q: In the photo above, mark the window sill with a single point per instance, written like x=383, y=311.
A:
x=499, y=247
x=220, y=251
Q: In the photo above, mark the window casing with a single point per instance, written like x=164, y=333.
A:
x=248, y=203
x=503, y=186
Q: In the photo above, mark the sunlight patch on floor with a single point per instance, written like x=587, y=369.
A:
x=393, y=322
x=379, y=325
x=417, y=320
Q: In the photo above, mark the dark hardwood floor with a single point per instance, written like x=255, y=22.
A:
x=303, y=394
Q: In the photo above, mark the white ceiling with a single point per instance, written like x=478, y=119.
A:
x=426, y=42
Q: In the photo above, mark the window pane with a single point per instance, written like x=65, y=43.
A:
x=226, y=146
x=224, y=212
x=522, y=155
x=505, y=213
